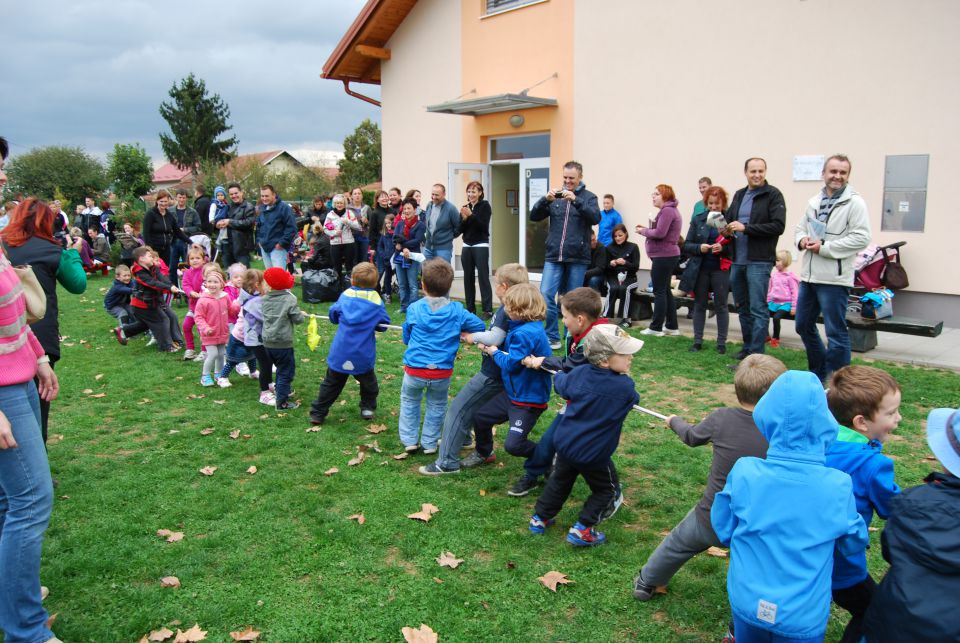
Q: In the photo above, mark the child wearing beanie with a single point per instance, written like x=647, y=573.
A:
x=280, y=313
x=212, y=316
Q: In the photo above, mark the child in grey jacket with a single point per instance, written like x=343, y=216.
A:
x=280, y=312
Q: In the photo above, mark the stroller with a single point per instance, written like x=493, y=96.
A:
x=877, y=267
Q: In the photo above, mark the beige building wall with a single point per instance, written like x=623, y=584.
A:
x=424, y=69
x=669, y=91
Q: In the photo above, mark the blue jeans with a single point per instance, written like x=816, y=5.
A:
x=749, y=285
x=558, y=278
x=237, y=353
x=474, y=394
x=274, y=258
x=26, y=499
x=407, y=280
x=444, y=253
x=286, y=363
x=361, y=246
x=178, y=252
x=539, y=463
x=749, y=633
x=831, y=302
x=411, y=393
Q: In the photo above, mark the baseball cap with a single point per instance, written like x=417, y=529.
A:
x=943, y=436
x=605, y=340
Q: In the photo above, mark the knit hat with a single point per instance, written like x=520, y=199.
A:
x=943, y=436
x=605, y=340
x=278, y=278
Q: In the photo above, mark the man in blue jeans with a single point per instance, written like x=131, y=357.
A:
x=756, y=219
x=443, y=225
x=276, y=228
x=573, y=211
x=834, y=228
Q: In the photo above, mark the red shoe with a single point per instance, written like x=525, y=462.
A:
x=774, y=342
x=768, y=340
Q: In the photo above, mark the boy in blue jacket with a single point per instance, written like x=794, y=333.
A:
x=783, y=517
x=599, y=396
x=525, y=391
x=431, y=332
x=117, y=300
x=866, y=402
x=359, y=313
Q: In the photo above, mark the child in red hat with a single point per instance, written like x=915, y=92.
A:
x=280, y=313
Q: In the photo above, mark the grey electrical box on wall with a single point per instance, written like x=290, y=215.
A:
x=905, y=192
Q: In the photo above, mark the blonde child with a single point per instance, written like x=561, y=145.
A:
x=252, y=313
x=212, y=312
x=782, y=294
x=191, y=282
x=117, y=300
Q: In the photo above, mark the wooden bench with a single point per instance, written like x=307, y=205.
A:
x=863, y=332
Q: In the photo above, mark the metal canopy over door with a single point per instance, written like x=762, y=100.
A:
x=534, y=183
x=458, y=176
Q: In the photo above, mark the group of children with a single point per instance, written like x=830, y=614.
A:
x=797, y=472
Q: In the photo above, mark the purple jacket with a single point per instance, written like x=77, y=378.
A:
x=663, y=236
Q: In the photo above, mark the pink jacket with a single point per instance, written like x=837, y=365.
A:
x=192, y=281
x=213, y=318
x=233, y=293
x=19, y=348
x=784, y=288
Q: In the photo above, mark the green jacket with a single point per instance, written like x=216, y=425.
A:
x=280, y=313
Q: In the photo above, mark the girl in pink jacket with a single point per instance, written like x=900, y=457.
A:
x=782, y=294
x=191, y=281
x=212, y=313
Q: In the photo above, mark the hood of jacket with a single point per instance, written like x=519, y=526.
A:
x=794, y=418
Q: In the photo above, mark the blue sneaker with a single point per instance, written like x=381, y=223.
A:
x=207, y=380
x=538, y=525
x=581, y=536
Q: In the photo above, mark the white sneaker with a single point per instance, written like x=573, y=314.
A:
x=224, y=382
x=268, y=398
x=555, y=346
x=650, y=331
x=202, y=355
x=189, y=354
x=242, y=369
x=151, y=341
x=255, y=375
x=671, y=332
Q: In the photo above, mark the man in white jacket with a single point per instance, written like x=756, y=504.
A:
x=834, y=228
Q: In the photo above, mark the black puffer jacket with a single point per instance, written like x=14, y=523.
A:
x=242, y=217
x=568, y=240
x=160, y=229
x=768, y=217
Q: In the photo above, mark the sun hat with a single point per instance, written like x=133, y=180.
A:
x=605, y=340
x=943, y=436
x=278, y=278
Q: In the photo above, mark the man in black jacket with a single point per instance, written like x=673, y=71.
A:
x=756, y=219
x=202, y=205
x=239, y=223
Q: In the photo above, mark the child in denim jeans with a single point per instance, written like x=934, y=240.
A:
x=432, y=335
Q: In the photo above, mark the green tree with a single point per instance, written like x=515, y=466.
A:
x=43, y=170
x=361, y=156
x=130, y=169
x=196, y=122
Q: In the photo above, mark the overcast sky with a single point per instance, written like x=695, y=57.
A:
x=92, y=73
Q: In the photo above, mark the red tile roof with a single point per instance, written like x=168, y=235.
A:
x=169, y=172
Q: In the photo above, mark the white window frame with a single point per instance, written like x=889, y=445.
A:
x=516, y=4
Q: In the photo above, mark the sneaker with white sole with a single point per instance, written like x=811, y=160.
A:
x=207, y=380
x=189, y=354
x=650, y=331
x=254, y=375
x=224, y=382
x=523, y=486
x=151, y=341
x=555, y=346
x=538, y=525
x=642, y=591
x=474, y=459
x=671, y=332
x=434, y=469
x=242, y=369
x=268, y=398
x=582, y=536
x=429, y=450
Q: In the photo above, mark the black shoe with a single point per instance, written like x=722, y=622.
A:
x=741, y=355
x=486, y=316
x=367, y=414
x=695, y=348
x=642, y=591
x=317, y=420
x=121, y=337
x=689, y=314
x=625, y=324
x=289, y=405
x=721, y=349
x=523, y=486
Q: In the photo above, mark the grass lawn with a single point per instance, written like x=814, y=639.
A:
x=276, y=550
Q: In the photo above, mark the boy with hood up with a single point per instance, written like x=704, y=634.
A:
x=783, y=517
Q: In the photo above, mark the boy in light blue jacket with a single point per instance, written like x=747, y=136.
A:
x=783, y=517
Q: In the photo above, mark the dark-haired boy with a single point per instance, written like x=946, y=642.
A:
x=147, y=300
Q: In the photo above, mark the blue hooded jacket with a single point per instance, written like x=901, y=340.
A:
x=873, y=489
x=527, y=385
x=222, y=208
x=432, y=330
x=359, y=312
x=783, y=516
x=276, y=225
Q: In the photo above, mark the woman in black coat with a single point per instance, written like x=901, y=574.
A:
x=160, y=229
x=475, y=256
x=622, y=258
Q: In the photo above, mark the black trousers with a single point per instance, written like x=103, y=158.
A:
x=343, y=256
x=286, y=363
x=776, y=317
x=153, y=319
x=521, y=420
x=265, y=367
x=856, y=600
x=600, y=504
x=617, y=292
x=332, y=385
x=476, y=261
x=664, y=307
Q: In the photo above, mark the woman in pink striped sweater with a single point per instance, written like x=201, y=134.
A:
x=26, y=490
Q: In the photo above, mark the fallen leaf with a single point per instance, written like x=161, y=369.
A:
x=248, y=634
x=426, y=512
x=343, y=402
x=160, y=635
x=304, y=359
x=98, y=376
x=437, y=581
x=172, y=431
x=51, y=619
x=56, y=438
x=190, y=636
x=361, y=456
x=374, y=446
x=207, y=431
x=64, y=497
x=447, y=559
x=664, y=533
x=247, y=436
x=423, y=634
x=550, y=580
x=717, y=552
x=331, y=471
x=252, y=470
x=281, y=415
x=83, y=341
x=87, y=391
x=401, y=456
x=219, y=401
x=376, y=428
x=264, y=416
x=358, y=517
x=171, y=536
x=169, y=581
x=194, y=396
x=145, y=400
x=208, y=471
x=312, y=429
x=235, y=434
x=511, y=564
x=660, y=589
x=873, y=529
x=99, y=395
x=483, y=492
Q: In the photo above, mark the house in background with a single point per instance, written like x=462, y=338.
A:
x=170, y=177
x=642, y=93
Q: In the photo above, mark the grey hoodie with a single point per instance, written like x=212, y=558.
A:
x=280, y=313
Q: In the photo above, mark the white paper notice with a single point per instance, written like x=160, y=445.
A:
x=807, y=168
x=536, y=188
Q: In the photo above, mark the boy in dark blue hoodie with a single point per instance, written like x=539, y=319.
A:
x=599, y=396
x=866, y=403
x=360, y=313
x=117, y=300
x=784, y=516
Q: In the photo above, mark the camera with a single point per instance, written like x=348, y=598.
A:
x=558, y=194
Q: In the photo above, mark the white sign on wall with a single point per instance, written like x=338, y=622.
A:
x=808, y=168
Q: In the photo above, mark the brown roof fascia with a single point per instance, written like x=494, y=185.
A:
x=345, y=45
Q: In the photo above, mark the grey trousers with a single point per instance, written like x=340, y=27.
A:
x=459, y=417
x=687, y=539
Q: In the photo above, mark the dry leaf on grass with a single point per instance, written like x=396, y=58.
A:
x=437, y=581
x=374, y=446
x=56, y=438
x=235, y=434
x=248, y=634
x=313, y=429
x=98, y=376
x=361, y=456
x=447, y=559
x=376, y=428
x=483, y=492
x=87, y=391
x=252, y=470
x=401, y=456
x=358, y=517
x=422, y=634
x=208, y=471
x=551, y=579
x=717, y=552
x=52, y=619
x=331, y=471
x=145, y=400
x=247, y=436
x=873, y=529
x=207, y=431
x=219, y=401
x=99, y=395
x=171, y=536
x=664, y=533
x=190, y=636
x=169, y=581
x=159, y=635
x=660, y=589
x=264, y=416
x=195, y=396
x=426, y=512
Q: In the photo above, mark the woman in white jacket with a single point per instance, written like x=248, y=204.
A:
x=339, y=227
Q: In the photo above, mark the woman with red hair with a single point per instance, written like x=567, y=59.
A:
x=662, y=247
x=28, y=241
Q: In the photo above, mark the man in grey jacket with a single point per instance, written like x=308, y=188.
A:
x=834, y=228
x=443, y=225
x=239, y=224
